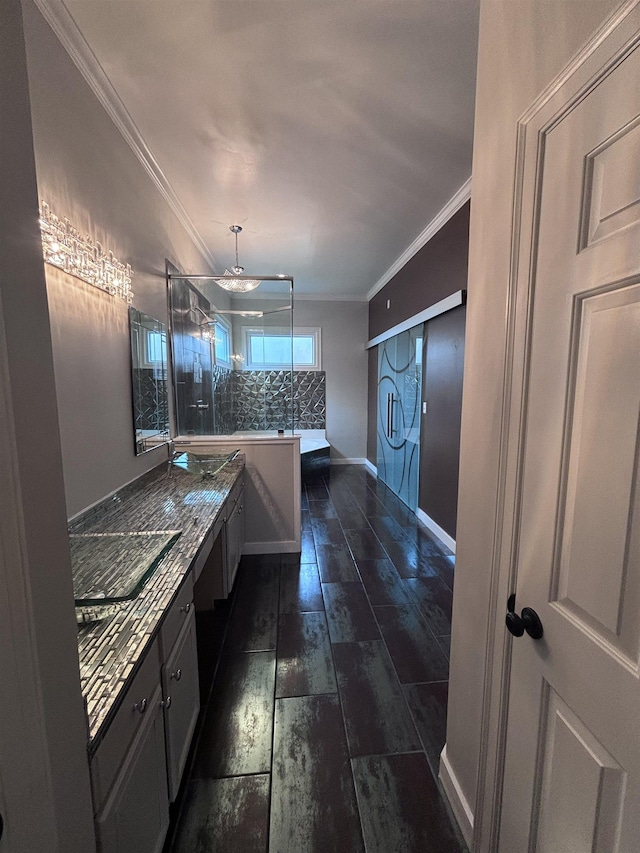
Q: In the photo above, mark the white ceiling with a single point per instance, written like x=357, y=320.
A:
x=333, y=131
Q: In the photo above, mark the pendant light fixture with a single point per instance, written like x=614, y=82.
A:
x=233, y=279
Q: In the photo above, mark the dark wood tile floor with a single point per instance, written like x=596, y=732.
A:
x=324, y=723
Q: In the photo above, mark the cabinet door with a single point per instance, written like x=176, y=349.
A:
x=136, y=814
x=181, y=702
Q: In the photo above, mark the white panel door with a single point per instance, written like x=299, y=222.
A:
x=572, y=769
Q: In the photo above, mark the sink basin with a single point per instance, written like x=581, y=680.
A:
x=205, y=466
x=113, y=567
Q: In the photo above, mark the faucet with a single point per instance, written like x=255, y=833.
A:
x=173, y=454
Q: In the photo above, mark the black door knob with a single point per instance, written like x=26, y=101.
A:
x=528, y=620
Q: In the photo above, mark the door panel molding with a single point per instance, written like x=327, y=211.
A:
x=610, y=45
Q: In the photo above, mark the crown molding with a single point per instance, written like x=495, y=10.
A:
x=329, y=297
x=452, y=206
x=68, y=33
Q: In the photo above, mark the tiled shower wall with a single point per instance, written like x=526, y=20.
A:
x=224, y=418
x=261, y=400
x=151, y=409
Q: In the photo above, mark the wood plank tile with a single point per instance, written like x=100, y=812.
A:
x=401, y=807
x=382, y=582
x=348, y=613
x=300, y=590
x=336, y=564
x=307, y=547
x=445, y=567
x=327, y=531
x=352, y=517
x=428, y=706
x=414, y=650
x=313, y=805
x=304, y=664
x=224, y=816
x=254, y=620
x=365, y=545
x=403, y=553
x=435, y=600
x=348, y=511
x=322, y=509
x=376, y=716
x=317, y=491
x=236, y=732
x=445, y=644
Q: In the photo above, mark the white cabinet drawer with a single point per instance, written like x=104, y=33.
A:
x=129, y=718
x=181, y=695
x=176, y=616
x=135, y=817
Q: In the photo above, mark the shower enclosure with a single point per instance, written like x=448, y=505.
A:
x=399, y=394
x=232, y=356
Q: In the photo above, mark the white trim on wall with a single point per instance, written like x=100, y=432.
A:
x=61, y=22
x=437, y=531
x=372, y=468
x=451, y=207
x=457, y=800
x=438, y=308
x=356, y=460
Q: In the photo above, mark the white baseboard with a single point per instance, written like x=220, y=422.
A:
x=288, y=546
x=457, y=800
x=371, y=467
x=437, y=531
x=345, y=461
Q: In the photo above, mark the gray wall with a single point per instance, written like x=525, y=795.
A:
x=46, y=799
x=344, y=360
x=443, y=363
x=523, y=46
x=88, y=173
x=435, y=272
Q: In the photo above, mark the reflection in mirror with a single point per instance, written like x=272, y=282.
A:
x=232, y=356
x=149, y=381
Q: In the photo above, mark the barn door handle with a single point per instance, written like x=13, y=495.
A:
x=528, y=620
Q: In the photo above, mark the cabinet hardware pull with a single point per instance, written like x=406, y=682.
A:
x=166, y=703
x=177, y=675
x=140, y=707
x=185, y=607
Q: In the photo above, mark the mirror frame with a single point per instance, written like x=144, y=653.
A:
x=139, y=322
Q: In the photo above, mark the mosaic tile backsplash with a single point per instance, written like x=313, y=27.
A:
x=261, y=400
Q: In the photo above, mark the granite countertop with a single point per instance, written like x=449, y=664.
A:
x=110, y=649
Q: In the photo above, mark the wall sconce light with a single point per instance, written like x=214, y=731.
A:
x=64, y=247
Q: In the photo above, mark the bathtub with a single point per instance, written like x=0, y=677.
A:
x=315, y=451
x=315, y=455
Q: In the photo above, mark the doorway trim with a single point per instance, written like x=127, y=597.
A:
x=619, y=34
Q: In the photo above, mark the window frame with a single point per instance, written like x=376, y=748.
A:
x=226, y=325
x=314, y=332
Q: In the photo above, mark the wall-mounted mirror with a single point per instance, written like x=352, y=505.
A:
x=148, y=381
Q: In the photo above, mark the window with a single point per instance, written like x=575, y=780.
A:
x=270, y=349
x=222, y=344
x=156, y=344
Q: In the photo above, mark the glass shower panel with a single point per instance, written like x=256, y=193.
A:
x=232, y=357
x=399, y=395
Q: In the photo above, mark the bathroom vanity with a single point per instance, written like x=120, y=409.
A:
x=137, y=638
